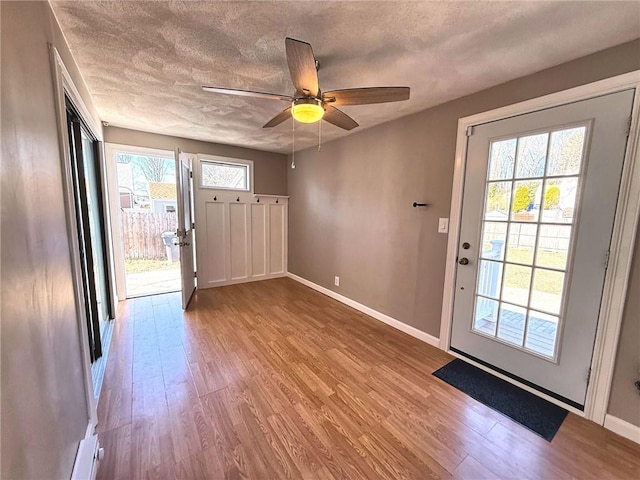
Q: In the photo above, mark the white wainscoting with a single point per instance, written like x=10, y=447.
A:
x=240, y=237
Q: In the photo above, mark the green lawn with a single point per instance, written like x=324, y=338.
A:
x=148, y=265
x=546, y=281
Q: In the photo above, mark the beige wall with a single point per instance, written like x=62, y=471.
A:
x=350, y=211
x=44, y=412
x=625, y=398
x=270, y=168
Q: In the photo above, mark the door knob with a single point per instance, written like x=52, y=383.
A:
x=463, y=261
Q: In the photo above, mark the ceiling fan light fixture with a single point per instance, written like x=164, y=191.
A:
x=307, y=110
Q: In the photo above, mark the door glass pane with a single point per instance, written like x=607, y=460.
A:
x=547, y=289
x=553, y=246
x=512, y=323
x=497, y=201
x=489, y=278
x=186, y=196
x=517, y=280
x=560, y=200
x=502, y=159
x=532, y=153
x=565, y=151
x=494, y=236
x=526, y=237
x=526, y=200
x=486, y=315
x=542, y=332
x=522, y=242
x=92, y=181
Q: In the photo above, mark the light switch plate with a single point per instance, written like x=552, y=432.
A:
x=443, y=225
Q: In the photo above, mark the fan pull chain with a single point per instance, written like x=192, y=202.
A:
x=319, y=135
x=293, y=143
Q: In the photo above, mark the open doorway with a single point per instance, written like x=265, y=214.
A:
x=147, y=207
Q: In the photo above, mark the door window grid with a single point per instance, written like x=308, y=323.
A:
x=524, y=316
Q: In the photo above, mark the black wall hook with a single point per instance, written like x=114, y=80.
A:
x=416, y=204
x=215, y=198
x=258, y=199
x=276, y=200
x=238, y=199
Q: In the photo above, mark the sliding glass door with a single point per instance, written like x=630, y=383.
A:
x=90, y=219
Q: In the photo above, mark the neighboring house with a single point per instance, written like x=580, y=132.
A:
x=162, y=197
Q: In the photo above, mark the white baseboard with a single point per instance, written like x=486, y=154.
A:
x=88, y=457
x=397, y=324
x=622, y=428
x=257, y=278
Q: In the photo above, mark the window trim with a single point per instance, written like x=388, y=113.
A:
x=237, y=162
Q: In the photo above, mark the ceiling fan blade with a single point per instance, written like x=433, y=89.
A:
x=302, y=66
x=278, y=119
x=339, y=118
x=246, y=93
x=365, y=96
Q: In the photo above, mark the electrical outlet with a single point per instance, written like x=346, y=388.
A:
x=336, y=281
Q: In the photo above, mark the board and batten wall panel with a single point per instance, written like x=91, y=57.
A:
x=238, y=243
x=212, y=257
x=277, y=238
x=258, y=240
x=245, y=239
x=240, y=236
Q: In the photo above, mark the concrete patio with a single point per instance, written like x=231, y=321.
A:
x=153, y=282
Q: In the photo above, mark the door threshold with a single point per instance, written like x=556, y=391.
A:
x=131, y=297
x=552, y=397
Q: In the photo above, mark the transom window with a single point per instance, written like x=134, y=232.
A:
x=531, y=197
x=225, y=175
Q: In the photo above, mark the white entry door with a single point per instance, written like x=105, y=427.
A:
x=539, y=202
x=185, y=230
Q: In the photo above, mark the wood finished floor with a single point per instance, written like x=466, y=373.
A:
x=271, y=380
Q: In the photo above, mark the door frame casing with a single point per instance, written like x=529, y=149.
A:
x=63, y=86
x=622, y=242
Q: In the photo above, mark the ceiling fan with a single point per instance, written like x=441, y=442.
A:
x=309, y=104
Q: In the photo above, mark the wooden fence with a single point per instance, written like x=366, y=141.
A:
x=142, y=233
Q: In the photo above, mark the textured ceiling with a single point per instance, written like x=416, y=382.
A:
x=144, y=62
